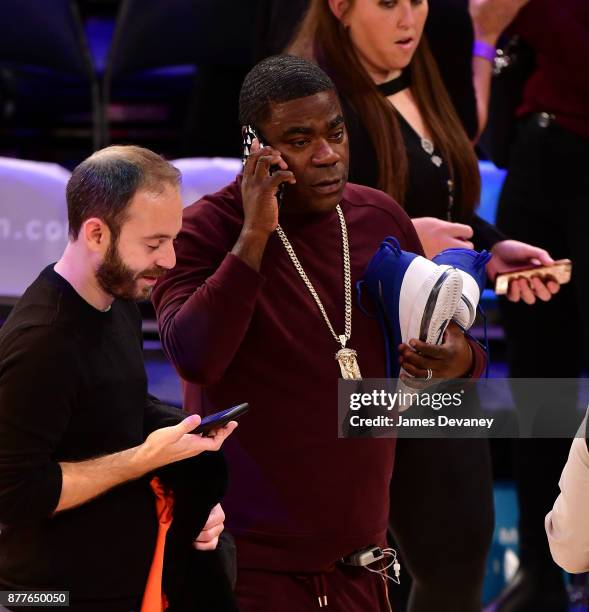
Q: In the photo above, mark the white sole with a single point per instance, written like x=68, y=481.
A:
x=470, y=299
x=431, y=310
x=429, y=298
x=465, y=314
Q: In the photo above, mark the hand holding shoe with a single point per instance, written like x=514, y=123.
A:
x=451, y=359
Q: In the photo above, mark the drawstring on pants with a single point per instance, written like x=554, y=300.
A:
x=320, y=589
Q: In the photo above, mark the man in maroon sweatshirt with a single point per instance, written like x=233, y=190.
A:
x=240, y=324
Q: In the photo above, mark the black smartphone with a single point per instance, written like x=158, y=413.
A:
x=220, y=419
x=249, y=133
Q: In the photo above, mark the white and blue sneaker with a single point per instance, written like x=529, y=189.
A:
x=471, y=266
x=416, y=297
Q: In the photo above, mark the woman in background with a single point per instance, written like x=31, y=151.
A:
x=406, y=139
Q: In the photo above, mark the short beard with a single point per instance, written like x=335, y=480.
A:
x=118, y=280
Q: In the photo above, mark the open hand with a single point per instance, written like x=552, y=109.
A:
x=170, y=444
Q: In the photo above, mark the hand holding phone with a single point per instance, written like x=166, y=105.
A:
x=265, y=174
x=249, y=135
x=560, y=271
x=525, y=271
x=220, y=419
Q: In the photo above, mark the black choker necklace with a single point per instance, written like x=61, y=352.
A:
x=395, y=85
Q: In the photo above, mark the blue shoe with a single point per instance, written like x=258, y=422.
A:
x=471, y=266
x=416, y=297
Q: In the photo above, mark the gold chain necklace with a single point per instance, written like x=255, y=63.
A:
x=346, y=357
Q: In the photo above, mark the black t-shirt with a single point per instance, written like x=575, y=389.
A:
x=73, y=387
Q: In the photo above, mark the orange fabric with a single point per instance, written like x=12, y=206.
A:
x=154, y=599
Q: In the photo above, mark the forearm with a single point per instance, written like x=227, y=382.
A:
x=202, y=329
x=485, y=235
x=482, y=72
x=566, y=525
x=490, y=18
x=84, y=480
x=250, y=247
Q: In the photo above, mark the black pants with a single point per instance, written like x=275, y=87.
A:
x=442, y=521
x=545, y=202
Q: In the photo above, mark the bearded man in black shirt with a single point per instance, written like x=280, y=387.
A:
x=80, y=438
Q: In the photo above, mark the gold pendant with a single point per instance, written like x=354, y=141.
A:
x=348, y=364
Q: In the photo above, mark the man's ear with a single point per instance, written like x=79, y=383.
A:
x=96, y=235
x=339, y=8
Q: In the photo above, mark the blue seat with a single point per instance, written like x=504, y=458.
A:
x=205, y=175
x=159, y=38
x=33, y=221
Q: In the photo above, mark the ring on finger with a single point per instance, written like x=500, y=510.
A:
x=429, y=374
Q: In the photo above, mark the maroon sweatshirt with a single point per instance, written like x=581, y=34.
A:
x=299, y=497
x=558, y=31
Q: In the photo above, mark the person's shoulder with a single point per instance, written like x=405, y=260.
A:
x=38, y=307
x=361, y=195
x=38, y=321
x=39, y=342
x=211, y=223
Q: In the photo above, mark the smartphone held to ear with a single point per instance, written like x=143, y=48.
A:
x=220, y=419
x=560, y=271
x=249, y=133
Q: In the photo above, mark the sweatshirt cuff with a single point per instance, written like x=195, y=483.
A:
x=479, y=359
x=50, y=486
x=37, y=497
